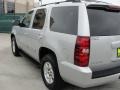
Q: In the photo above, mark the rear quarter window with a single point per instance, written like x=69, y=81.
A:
x=64, y=19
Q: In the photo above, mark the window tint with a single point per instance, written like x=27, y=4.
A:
x=64, y=19
x=39, y=19
x=104, y=22
x=27, y=20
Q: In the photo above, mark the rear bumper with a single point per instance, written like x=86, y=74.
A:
x=106, y=72
x=83, y=77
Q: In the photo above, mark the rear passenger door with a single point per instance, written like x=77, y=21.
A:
x=37, y=32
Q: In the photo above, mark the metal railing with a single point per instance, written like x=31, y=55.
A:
x=6, y=22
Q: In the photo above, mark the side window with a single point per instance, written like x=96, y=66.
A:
x=27, y=19
x=39, y=19
x=64, y=19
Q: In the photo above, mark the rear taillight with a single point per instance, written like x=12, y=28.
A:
x=82, y=51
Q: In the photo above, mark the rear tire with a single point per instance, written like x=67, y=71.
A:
x=14, y=47
x=50, y=72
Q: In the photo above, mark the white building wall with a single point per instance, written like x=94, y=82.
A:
x=22, y=6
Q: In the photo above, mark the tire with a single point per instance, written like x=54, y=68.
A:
x=14, y=47
x=56, y=81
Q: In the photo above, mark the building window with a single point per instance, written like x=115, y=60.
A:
x=7, y=6
x=10, y=6
x=1, y=7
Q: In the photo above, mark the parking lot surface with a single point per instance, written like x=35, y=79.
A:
x=23, y=73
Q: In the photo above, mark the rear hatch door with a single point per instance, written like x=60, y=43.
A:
x=104, y=24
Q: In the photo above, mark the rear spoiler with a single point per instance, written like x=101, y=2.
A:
x=111, y=8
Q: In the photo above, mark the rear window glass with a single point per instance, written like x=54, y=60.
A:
x=104, y=22
x=64, y=19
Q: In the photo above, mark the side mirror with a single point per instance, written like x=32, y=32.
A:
x=16, y=22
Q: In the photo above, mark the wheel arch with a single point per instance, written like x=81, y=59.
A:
x=12, y=35
x=44, y=50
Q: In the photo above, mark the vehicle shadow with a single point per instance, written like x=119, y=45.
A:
x=30, y=59
x=66, y=85
x=72, y=87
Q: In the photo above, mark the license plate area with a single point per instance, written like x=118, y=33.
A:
x=118, y=52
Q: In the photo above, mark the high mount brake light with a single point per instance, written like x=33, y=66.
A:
x=113, y=7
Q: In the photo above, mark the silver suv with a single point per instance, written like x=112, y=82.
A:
x=78, y=42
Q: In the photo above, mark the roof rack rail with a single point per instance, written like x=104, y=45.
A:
x=73, y=0
x=96, y=1
x=60, y=2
